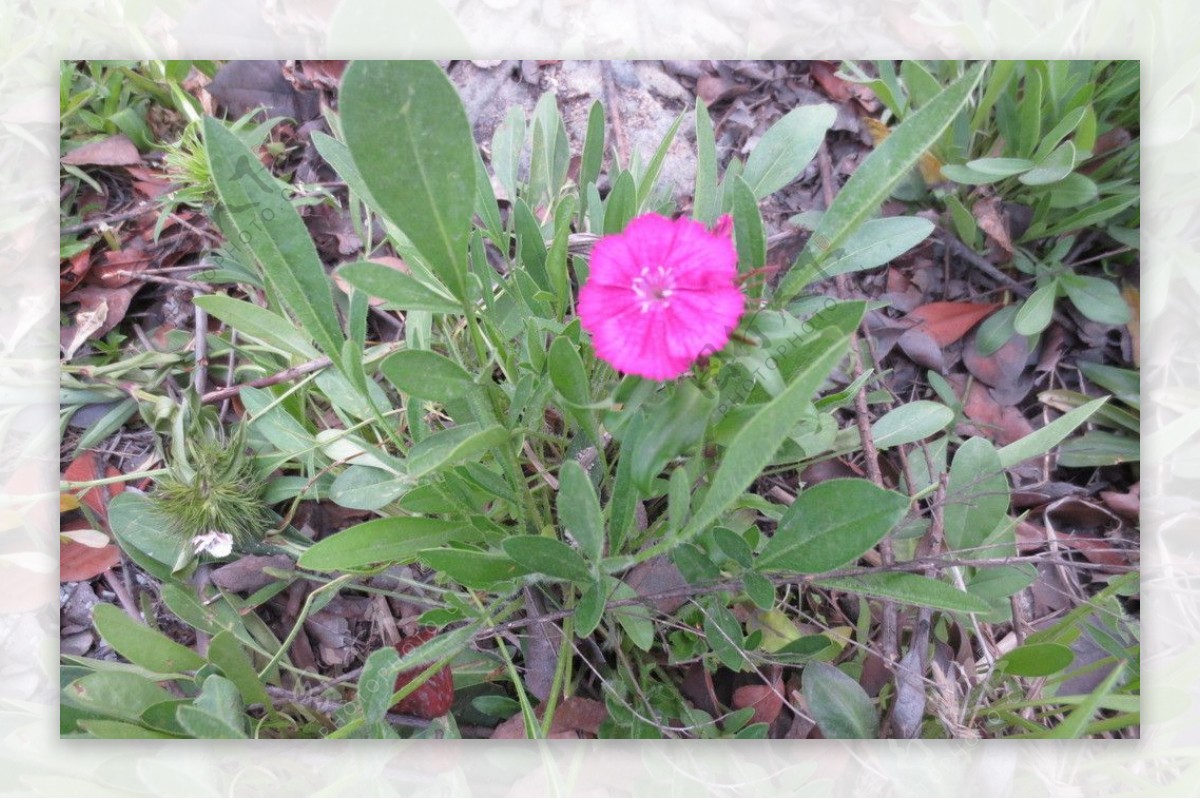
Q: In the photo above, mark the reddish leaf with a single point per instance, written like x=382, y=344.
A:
x=1127, y=505
x=575, y=717
x=85, y=468
x=434, y=697
x=100, y=310
x=1001, y=424
x=947, y=322
x=73, y=273
x=77, y=561
x=767, y=701
x=114, y=151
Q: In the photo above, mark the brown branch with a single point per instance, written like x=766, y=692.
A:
x=315, y=365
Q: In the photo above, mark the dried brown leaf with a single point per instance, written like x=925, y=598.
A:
x=116, y=150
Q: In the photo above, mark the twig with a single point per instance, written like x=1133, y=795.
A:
x=315, y=365
x=118, y=588
x=614, y=113
x=108, y=219
x=982, y=264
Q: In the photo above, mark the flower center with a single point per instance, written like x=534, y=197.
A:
x=653, y=287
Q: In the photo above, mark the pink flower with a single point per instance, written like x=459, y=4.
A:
x=661, y=294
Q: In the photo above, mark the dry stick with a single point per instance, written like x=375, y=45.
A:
x=315, y=365
x=614, y=113
x=891, y=612
x=123, y=596
x=90, y=224
x=200, y=351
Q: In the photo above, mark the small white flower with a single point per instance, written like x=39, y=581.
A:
x=214, y=542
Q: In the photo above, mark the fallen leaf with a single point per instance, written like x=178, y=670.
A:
x=947, y=322
x=1127, y=505
x=86, y=468
x=767, y=700
x=100, y=310
x=712, y=89
x=575, y=717
x=246, y=574
x=387, y=260
x=993, y=221
x=656, y=576
x=243, y=86
x=78, y=561
x=118, y=267
x=116, y=150
x=435, y=696
x=1000, y=424
x=834, y=87
x=922, y=349
x=74, y=271
x=1004, y=370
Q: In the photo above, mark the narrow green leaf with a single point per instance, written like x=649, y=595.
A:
x=912, y=589
x=393, y=286
x=478, y=570
x=391, y=540
x=1043, y=440
x=1000, y=168
x=409, y=135
x=786, y=148
x=839, y=705
x=567, y=372
x=593, y=147
x=874, y=179
x=200, y=724
x=1036, y=660
x=548, y=556
x=705, y=203
x=748, y=228
x=910, y=422
x=266, y=222
x=650, y=177
x=621, y=204
x=579, y=510
x=230, y=657
x=255, y=322
x=756, y=442
x=219, y=699
x=673, y=428
x=144, y=532
x=589, y=610
x=831, y=524
x=139, y=644
x=507, y=143
x=635, y=620
x=113, y=693
x=463, y=443
x=427, y=374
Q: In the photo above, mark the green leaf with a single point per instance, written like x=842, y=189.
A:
x=748, y=227
x=875, y=178
x=472, y=569
x=1036, y=660
x=1043, y=440
x=1097, y=299
x=410, y=138
x=368, y=488
x=756, y=442
x=912, y=589
x=650, y=177
x=838, y=704
x=395, y=287
x=995, y=331
x=507, y=143
x=579, y=510
x=377, y=683
x=977, y=496
x=910, y=422
x=1053, y=168
x=391, y=540
x=144, y=533
x=227, y=654
x=139, y=644
x=251, y=320
x=118, y=730
x=548, y=556
x=589, y=610
x=760, y=590
x=266, y=222
x=786, y=148
x=1073, y=191
x=463, y=443
x=1000, y=168
x=112, y=693
x=875, y=243
x=593, y=147
x=831, y=524
x=1037, y=310
x=428, y=375
x=1099, y=448
x=724, y=634
x=567, y=372
x=673, y=428
x=621, y=204
x=220, y=700
x=705, y=202
x=635, y=620
x=200, y=724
